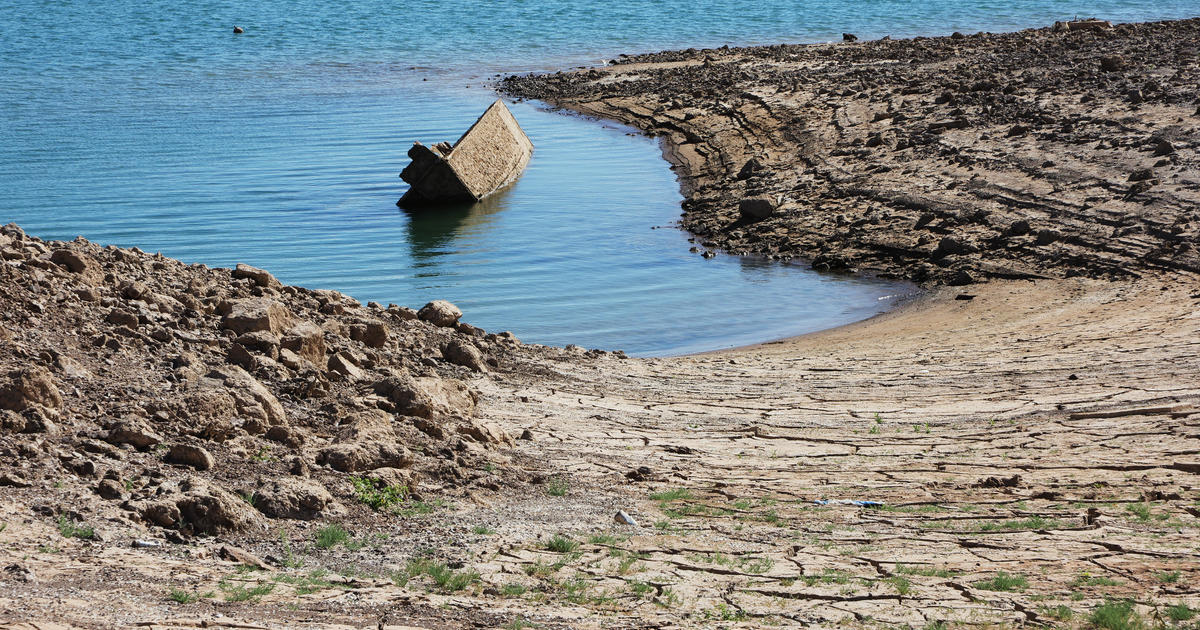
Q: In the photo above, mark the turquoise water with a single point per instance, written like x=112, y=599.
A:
x=149, y=123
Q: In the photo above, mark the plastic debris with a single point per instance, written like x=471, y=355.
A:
x=624, y=518
x=848, y=502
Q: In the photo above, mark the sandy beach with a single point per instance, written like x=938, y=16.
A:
x=1025, y=434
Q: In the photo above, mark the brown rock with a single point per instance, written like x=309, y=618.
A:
x=756, y=208
x=440, y=313
x=409, y=397
x=161, y=513
x=293, y=498
x=133, y=431
x=29, y=387
x=110, y=489
x=242, y=557
x=306, y=340
x=373, y=334
x=260, y=277
x=188, y=455
x=344, y=365
x=464, y=353
x=75, y=262
x=209, y=509
x=256, y=315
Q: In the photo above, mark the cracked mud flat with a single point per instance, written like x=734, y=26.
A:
x=1036, y=448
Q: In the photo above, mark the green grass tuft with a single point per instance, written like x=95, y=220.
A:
x=73, y=529
x=561, y=544
x=1003, y=582
x=377, y=495
x=330, y=536
x=1116, y=616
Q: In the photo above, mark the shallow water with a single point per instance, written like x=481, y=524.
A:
x=150, y=124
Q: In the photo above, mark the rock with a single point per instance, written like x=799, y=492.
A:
x=999, y=482
x=132, y=431
x=110, y=489
x=306, y=340
x=188, y=455
x=1163, y=147
x=161, y=513
x=623, y=518
x=957, y=35
x=262, y=342
x=372, y=334
x=242, y=557
x=756, y=208
x=367, y=442
x=256, y=315
x=748, y=169
x=260, y=277
x=486, y=433
x=293, y=498
x=1045, y=237
x=75, y=262
x=344, y=365
x=1141, y=174
x=1112, y=64
x=950, y=246
x=208, y=509
x=440, y=313
x=1020, y=227
x=11, y=422
x=247, y=393
x=409, y=397
x=526, y=435
x=121, y=317
x=19, y=573
x=14, y=480
x=849, y=37
x=961, y=278
x=29, y=387
x=464, y=353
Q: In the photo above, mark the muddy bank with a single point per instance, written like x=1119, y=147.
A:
x=1036, y=154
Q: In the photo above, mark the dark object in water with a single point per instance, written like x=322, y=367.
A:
x=489, y=156
x=237, y=30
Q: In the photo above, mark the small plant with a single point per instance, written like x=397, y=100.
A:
x=561, y=544
x=331, y=536
x=181, y=596
x=1003, y=582
x=1060, y=612
x=74, y=529
x=513, y=589
x=557, y=486
x=901, y=583
x=1166, y=577
x=936, y=625
x=601, y=539
x=1140, y=510
x=904, y=569
x=520, y=624
x=249, y=497
x=482, y=530
x=1180, y=612
x=240, y=593
x=377, y=495
x=1116, y=616
x=674, y=494
x=290, y=560
x=3, y=526
x=640, y=589
x=1086, y=579
x=263, y=454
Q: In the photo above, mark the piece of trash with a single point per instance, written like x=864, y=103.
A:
x=624, y=519
x=489, y=156
x=146, y=544
x=848, y=502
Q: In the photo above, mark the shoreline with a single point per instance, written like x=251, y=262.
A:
x=219, y=449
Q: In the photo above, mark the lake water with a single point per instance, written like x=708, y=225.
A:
x=149, y=123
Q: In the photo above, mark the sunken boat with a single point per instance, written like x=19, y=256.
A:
x=488, y=157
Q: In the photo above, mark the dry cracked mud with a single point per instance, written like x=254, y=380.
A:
x=1026, y=432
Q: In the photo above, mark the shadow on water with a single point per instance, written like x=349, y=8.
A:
x=432, y=231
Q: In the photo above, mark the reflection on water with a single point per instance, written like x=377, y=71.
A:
x=432, y=231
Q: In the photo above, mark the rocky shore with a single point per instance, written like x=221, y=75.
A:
x=186, y=447
x=1039, y=154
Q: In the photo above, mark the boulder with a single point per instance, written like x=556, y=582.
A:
x=367, y=442
x=464, y=353
x=756, y=208
x=188, y=455
x=28, y=387
x=486, y=433
x=209, y=509
x=260, y=277
x=256, y=315
x=247, y=393
x=76, y=262
x=344, y=365
x=122, y=317
x=950, y=246
x=372, y=334
x=306, y=340
x=293, y=498
x=410, y=398
x=440, y=313
x=134, y=432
